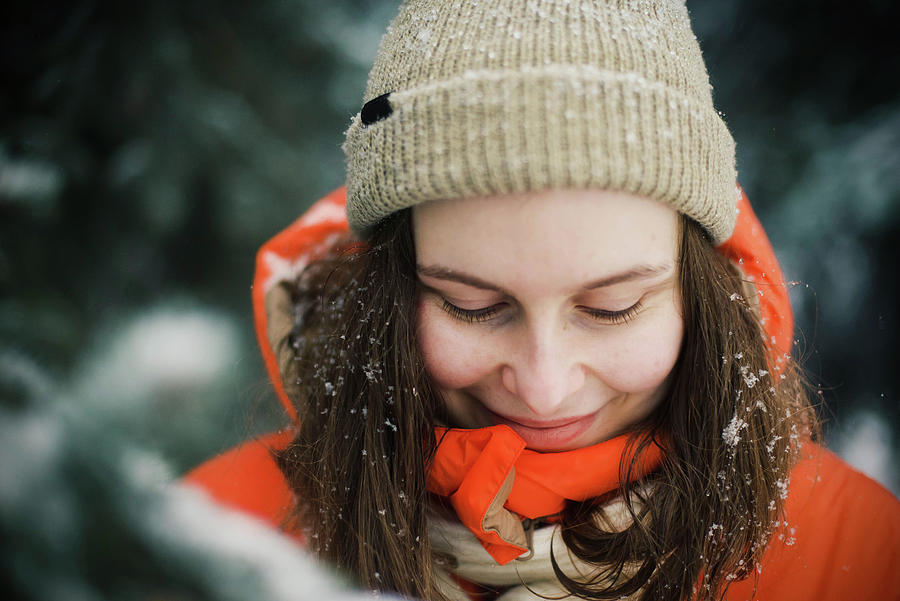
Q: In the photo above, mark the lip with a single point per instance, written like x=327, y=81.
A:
x=547, y=435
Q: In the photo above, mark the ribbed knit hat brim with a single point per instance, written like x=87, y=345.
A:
x=528, y=125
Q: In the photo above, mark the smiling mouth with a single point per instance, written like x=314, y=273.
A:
x=542, y=424
x=547, y=435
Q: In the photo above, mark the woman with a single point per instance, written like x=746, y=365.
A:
x=555, y=356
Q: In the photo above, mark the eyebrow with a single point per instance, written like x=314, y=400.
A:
x=638, y=272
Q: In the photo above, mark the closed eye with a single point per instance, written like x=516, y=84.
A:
x=488, y=313
x=614, y=317
x=472, y=315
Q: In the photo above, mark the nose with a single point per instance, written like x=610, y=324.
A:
x=543, y=371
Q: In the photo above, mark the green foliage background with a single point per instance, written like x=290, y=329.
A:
x=148, y=149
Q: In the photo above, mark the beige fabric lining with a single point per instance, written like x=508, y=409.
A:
x=279, y=310
x=501, y=520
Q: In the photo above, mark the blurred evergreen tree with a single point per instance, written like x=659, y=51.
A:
x=148, y=149
x=88, y=515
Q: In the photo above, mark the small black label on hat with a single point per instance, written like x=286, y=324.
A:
x=376, y=109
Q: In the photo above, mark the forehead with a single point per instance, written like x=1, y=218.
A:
x=557, y=237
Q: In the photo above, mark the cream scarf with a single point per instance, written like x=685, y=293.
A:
x=468, y=559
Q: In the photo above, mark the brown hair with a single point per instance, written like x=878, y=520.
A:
x=730, y=426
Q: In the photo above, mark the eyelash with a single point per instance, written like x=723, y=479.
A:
x=471, y=315
x=482, y=315
x=614, y=317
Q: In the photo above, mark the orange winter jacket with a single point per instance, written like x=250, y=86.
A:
x=842, y=539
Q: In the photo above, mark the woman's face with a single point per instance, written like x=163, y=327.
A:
x=556, y=313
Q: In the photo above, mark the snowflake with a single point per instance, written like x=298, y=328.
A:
x=731, y=433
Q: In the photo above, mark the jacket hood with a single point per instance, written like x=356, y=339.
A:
x=284, y=257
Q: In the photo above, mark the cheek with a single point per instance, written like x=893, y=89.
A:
x=645, y=354
x=455, y=356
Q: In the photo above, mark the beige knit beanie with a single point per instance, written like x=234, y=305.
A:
x=483, y=97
